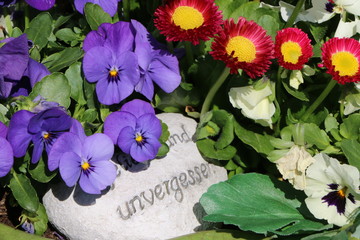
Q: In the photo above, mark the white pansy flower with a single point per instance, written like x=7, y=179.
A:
x=254, y=104
x=292, y=166
x=332, y=190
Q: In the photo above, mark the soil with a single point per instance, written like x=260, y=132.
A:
x=10, y=216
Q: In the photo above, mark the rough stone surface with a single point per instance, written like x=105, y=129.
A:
x=157, y=200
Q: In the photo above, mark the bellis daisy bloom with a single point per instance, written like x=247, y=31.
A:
x=332, y=189
x=244, y=45
x=6, y=152
x=292, y=48
x=188, y=20
x=135, y=129
x=341, y=57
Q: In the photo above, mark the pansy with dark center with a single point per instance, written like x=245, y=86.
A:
x=135, y=129
x=329, y=6
x=42, y=129
x=338, y=197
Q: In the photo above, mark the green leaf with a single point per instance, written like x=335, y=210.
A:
x=63, y=59
x=66, y=34
x=269, y=23
x=226, y=122
x=246, y=10
x=351, y=149
x=53, y=87
x=251, y=202
x=41, y=225
x=62, y=20
x=209, y=130
x=8, y=233
x=297, y=94
x=314, y=135
x=95, y=15
x=257, y=141
x=24, y=192
x=73, y=74
x=40, y=29
x=229, y=6
x=220, y=235
x=207, y=148
x=40, y=172
x=350, y=128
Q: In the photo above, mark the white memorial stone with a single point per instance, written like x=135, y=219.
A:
x=160, y=202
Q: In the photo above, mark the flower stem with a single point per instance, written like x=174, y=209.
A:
x=126, y=8
x=294, y=14
x=319, y=100
x=213, y=90
x=27, y=17
x=189, y=53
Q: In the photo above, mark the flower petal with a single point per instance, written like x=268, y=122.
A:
x=70, y=168
x=6, y=157
x=96, y=38
x=35, y=71
x=137, y=107
x=67, y=142
x=150, y=124
x=18, y=134
x=38, y=147
x=41, y=5
x=126, y=139
x=98, y=147
x=3, y=130
x=96, y=64
x=145, y=86
x=117, y=121
x=145, y=152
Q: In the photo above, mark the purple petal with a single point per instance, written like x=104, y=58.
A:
x=78, y=129
x=97, y=37
x=117, y=121
x=109, y=6
x=3, y=130
x=18, y=134
x=5, y=87
x=149, y=124
x=102, y=175
x=67, y=142
x=146, y=87
x=113, y=92
x=163, y=74
x=138, y=108
x=53, y=119
x=97, y=63
x=145, y=152
x=14, y=53
x=98, y=147
x=143, y=52
x=38, y=147
x=126, y=139
x=120, y=38
x=70, y=168
x=35, y=71
x=41, y=5
x=6, y=157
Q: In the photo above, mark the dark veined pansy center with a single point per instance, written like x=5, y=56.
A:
x=338, y=197
x=113, y=74
x=139, y=138
x=46, y=135
x=85, y=166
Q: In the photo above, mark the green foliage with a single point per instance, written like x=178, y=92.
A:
x=220, y=235
x=95, y=15
x=63, y=59
x=40, y=29
x=9, y=233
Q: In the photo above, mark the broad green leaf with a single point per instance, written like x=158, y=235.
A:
x=89, y=115
x=351, y=149
x=226, y=122
x=314, y=135
x=207, y=148
x=297, y=94
x=41, y=225
x=257, y=141
x=40, y=172
x=246, y=10
x=330, y=123
x=209, y=130
x=269, y=23
x=318, y=31
x=63, y=59
x=251, y=202
x=66, y=34
x=95, y=15
x=24, y=192
x=229, y=6
x=54, y=88
x=8, y=233
x=221, y=235
x=73, y=74
x=40, y=29
x=350, y=128
x=62, y=20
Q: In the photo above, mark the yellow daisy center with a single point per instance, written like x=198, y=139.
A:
x=243, y=48
x=85, y=166
x=187, y=17
x=113, y=73
x=345, y=63
x=291, y=52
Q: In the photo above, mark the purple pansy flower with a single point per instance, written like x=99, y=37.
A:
x=42, y=129
x=87, y=158
x=6, y=152
x=109, y=6
x=41, y=5
x=18, y=73
x=113, y=65
x=135, y=129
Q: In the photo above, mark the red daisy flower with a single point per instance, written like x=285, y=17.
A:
x=188, y=20
x=292, y=48
x=341, y=57
x=244, y=45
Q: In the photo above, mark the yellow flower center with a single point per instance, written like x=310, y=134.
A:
x=139, y=138
x=85, y=166
x=113, y=73
x=342, y=192
x=187, y=17
x=243, y=48
x=291, y=52
x=345, y=63
x=46, y=135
